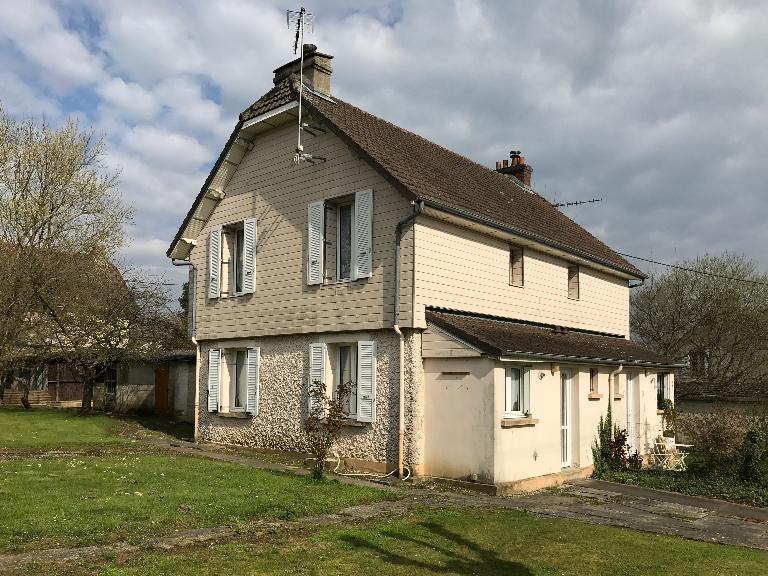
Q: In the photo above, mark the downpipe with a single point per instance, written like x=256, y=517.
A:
x=611, y=387
x=418, y=208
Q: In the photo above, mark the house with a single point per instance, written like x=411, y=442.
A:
x=484, y=332
x=164, y=386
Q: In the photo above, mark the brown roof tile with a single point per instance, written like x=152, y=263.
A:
x=436, y=174
x=502, y=336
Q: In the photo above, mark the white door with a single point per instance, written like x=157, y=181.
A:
x=565, y=418
x=631, y=396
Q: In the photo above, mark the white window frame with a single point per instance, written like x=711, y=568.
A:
x=508, y=387
x=352, y=234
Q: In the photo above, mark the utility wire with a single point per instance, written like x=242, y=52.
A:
x=724, y=277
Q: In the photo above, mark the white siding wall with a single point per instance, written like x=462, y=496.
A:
x=464, y=270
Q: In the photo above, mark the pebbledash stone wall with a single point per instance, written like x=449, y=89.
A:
x=283, y=383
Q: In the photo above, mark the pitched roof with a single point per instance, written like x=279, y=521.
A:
x=443, y=179
x=447, y=179
x=507, y=337
x=753, y=390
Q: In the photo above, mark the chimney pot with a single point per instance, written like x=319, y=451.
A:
x=516, y=167
x=498, y=164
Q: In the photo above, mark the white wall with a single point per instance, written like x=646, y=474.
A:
x=458, y=418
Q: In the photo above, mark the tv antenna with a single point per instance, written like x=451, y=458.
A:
x=301, y=20
x=576, y=202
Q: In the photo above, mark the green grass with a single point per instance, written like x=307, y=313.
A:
x=724, y=485
x=76, y=501
x=480, y=542
x=49, y=429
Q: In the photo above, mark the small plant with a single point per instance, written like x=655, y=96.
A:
x=324, y=423
x=669, y=419
x=601, y=447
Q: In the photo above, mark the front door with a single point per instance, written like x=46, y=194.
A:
x=161, y=389
x=565, y=418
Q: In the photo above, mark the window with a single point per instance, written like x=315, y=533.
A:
x=573, y=281
x=593, y=381
x=339, y=239
x=347, y=374
x=232, y=259
x=233, y=380
x=345, y=225
x=516, y=277
x=238, y=381
x=516, y=393
x=662, y=390
x=350, y=363
x=109, y=379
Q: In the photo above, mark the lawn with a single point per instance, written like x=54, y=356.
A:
x=480, y=542
x=83, y=500
x=40, y=428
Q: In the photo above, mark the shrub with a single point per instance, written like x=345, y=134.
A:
x=601, y=447
x=324, y=423
x=669, y=419
x=717, y=436
x=752, y=453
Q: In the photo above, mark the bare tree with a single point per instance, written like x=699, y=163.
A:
x=713, y=312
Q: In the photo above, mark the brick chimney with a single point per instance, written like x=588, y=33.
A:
x=516, y=167
x=317, y=69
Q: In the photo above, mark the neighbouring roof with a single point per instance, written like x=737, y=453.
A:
x=443, y=179
x=686, y=389
x=506, y=337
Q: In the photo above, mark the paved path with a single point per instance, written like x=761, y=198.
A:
x=592, y=501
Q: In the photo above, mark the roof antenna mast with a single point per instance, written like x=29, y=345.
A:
x=300, y=20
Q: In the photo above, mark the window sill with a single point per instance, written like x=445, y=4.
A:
x=241, y=415
x=353, y=423
x=518, y=422
x=659, y=411
x=594, y=396
x=618, y=396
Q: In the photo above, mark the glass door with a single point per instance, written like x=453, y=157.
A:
x=565, y=418
x=631, y=395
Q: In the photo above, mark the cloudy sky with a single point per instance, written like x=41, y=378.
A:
x=659, y=108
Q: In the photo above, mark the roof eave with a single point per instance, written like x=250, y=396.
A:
x=515, y=354
x=204, y=189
